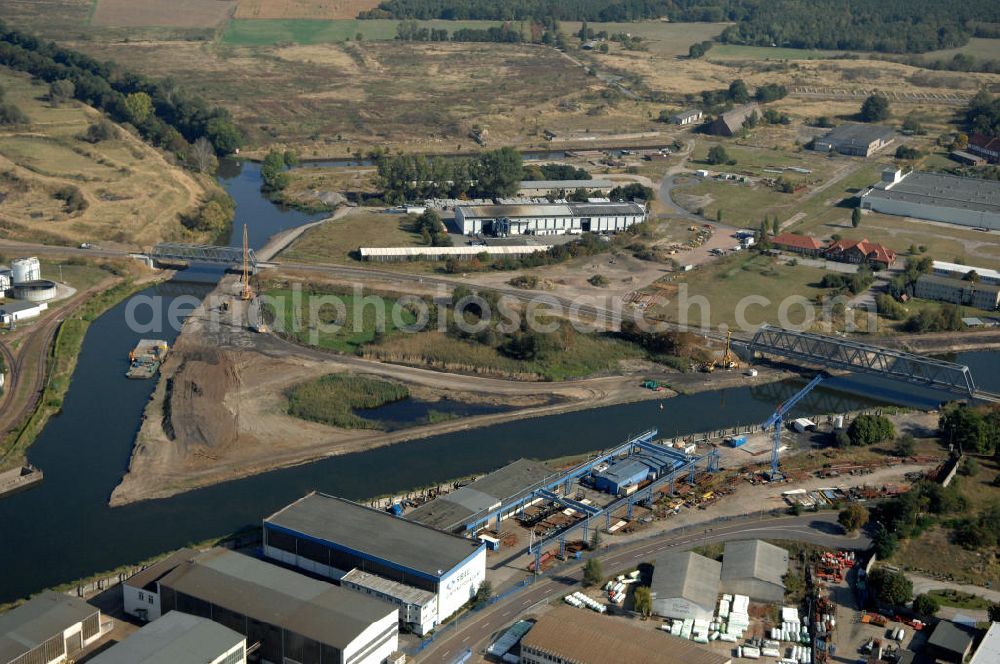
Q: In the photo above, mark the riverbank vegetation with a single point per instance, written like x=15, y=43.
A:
x=332, y=399
x=950, y=532
x=62, y=361
x=63, y=182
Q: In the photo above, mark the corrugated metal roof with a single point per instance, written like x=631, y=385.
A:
x=584, y=637
x=548, y=211
x=375, y=533
x=949, y=636
x=688, y=575
x=961, y=270
x=268, y=593
x=176, y=638
x=941, y=190
x=506, y=485
x=401, y=591
x=754, y=559
x=624, y=471
x=854, y=134
x=509, y=250
x=566, y=184
x=38, y=620
x=147, y=578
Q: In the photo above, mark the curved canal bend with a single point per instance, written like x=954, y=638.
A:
x=63, y=529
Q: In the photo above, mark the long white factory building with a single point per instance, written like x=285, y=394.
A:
x=936, y=197
x=554, y=219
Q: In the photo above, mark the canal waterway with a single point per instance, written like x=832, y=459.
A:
x=63, y=528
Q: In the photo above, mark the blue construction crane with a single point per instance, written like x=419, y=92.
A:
x=777, y=419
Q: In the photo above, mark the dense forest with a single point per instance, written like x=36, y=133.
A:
x=164, y=115
x=891, y=26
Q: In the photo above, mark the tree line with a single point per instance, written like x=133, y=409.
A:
x=408, y=177
x=892, y=26
x=413, y=31
x=161, y=112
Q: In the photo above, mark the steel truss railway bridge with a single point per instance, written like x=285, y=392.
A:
x=849, y=355
x=203, y=253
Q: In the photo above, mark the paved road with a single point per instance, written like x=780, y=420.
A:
x=475, y=631
x=667, y=185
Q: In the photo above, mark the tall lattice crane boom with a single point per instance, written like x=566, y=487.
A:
x=778, y=417
x=247, y=291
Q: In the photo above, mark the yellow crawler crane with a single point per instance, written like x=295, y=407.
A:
x=247, y=291
x=730, y=359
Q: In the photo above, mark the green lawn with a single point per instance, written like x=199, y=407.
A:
x=725, y=283
x=339, y=322
x=334, y=241
x=265, y=32
x=738, y=52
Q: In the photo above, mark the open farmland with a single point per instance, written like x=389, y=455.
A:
x=176, y=13
x=306, y=31
x=661, y=38
x=326, y=9
x=131, y=193
x=343, y=98
x=52, y=18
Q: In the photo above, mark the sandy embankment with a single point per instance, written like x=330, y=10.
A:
x=218, y=411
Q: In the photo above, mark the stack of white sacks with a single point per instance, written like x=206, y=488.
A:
x=579, y=600
x=729, y=623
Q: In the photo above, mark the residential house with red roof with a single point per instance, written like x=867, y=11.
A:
x=861, y=251
x=987, y=147
x=798, y=244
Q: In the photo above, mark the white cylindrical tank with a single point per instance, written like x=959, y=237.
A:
x=4, y=281
x=25, y=269
x=838, y=422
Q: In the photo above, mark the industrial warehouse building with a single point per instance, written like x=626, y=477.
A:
x=855, y=140
x=646, y=464
x=566, y=635
x=331, y=536
x=958, y=291
x=14, y=312
x=469, y=505
x=756, y=569
x=393, y=254
x=48, y=629
x=559, y=187
x=178, y=638
x=685, y=585
x=141, y=591
x=959, y=271
x=731, y=122
x=950, y=642
x=688, y=117
x=936, y=197
x=503, y=220
x=988, y=651
x=293, y=618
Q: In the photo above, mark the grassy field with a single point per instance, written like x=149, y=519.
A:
x=728, y=281
x=326, y=9
x=342, y=98
x=739, y=52
x=660, y=38
x=581, y=355
x=332, y=399
x=344, y=328
x=334, y=241
x=960, y=600
x=247, y=32
x=982, y=49
x=133, y=194
x=176, y=13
